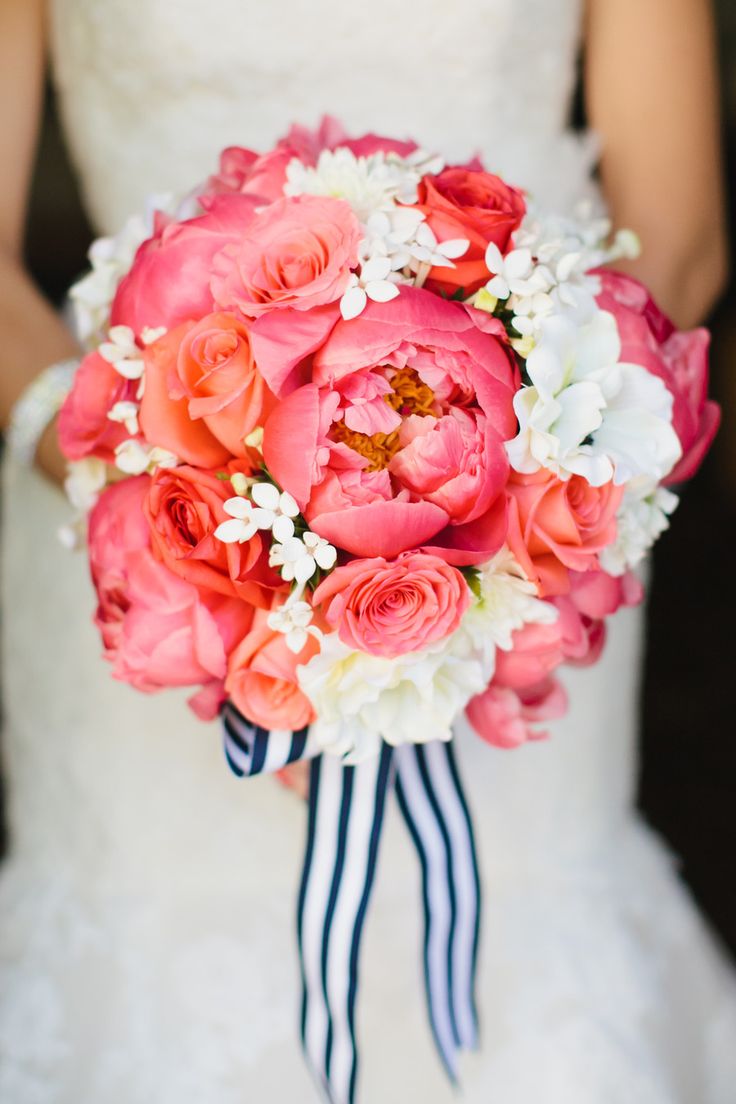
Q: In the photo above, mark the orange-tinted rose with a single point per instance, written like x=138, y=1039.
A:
x=165, y=418
x=556, y=526
x=262, y=681
x=469, y=203
x=218, y=377
x=183, y=508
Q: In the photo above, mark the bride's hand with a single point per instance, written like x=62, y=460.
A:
x=296, y=778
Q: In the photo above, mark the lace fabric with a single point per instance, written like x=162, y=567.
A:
x=147, y=907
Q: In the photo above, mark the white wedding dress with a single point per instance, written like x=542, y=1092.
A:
x=147, y=950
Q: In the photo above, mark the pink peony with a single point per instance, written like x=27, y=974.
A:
x=156, y=629
x=557, y=526
x=169, y=281
x=389, y=609
x=680, y=359
x=84, y=427
x=297, y=253
x=441, y=469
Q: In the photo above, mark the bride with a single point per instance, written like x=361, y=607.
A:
x=146, y=904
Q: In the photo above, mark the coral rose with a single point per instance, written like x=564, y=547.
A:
x=389, y=609
x=679, y=358
x=84, y=427
x=169, y=280
x=438, y=464
x=157, y=630
x=297, y=253
x=183, y=508
x=262, y=682
x=471, y=204
x=557, y=526
x=218, y=377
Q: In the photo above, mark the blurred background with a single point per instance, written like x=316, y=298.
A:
x=688, y=776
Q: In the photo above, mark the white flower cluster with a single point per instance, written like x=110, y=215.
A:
x=297, y=558
x=398, y=245
x=586, y=413
x=548, y=270
x=110, y=260
x=361, y=699
x=642, y=518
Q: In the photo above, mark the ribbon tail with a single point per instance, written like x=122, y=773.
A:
x=346, y=809
x=433, y=804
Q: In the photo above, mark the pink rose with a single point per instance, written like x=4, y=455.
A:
x=443, y=466
x=297, y=253
x=504, y=717
x=680, y=359
x=156, y=629
x=183, y=507
x=477, y=206
x=217, y=376
x=169, y=281
x=262, y=682
x=557, y=526
x=84, y=427
x=538, y=650
x=390, y=608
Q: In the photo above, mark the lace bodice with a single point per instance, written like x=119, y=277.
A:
x=496, y=78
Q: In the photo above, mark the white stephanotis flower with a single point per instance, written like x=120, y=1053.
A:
x=362, y=699
x=111, y=259
x=642, y=517
x=299, y=558
x=134, y=458
x=586, y=413
x=564, y=252
x=294, y=620
x=126, y=413
x=84, y=481
x=514, y=273
x=371, y=282
x=121, y=350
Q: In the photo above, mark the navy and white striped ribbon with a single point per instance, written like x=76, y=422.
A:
x=346, y=811
x=251, y=750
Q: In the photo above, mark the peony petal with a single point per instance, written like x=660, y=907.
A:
x=290, y=442
x=381, y=528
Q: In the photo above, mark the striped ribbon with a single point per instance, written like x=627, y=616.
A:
x=346, y=810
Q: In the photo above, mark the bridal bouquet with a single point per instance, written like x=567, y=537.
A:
x=387, y=441
x=392, y=441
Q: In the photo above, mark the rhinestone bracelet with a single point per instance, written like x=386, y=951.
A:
x=36, y=406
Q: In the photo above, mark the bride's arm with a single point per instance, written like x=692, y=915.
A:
x=651, y=94
x=31, y=333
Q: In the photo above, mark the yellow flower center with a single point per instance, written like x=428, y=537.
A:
x=409, y=395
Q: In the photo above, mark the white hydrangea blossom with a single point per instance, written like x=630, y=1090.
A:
x=586, y=413
x=642, y=518
x=373, y=183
